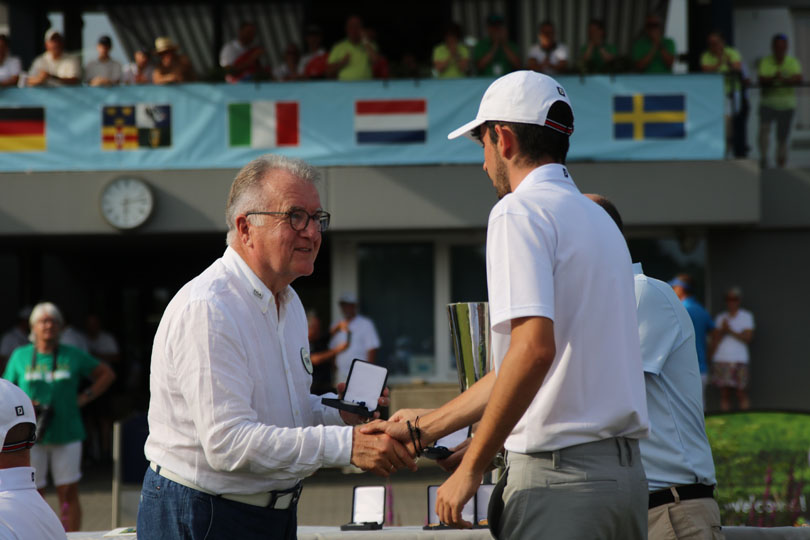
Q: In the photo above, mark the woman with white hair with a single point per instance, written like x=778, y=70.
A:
x=50, y=373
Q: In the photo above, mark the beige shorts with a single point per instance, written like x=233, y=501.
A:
x=63, y=461
x=697, y=519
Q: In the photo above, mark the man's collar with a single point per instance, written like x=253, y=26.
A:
x=259, y=291
x=555, y=172
x=17, y=478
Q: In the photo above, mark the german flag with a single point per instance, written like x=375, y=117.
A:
x=22, y=129
x=118, y=130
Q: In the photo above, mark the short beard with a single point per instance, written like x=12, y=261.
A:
x=502, y=186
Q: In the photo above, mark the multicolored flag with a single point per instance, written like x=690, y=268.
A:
x=118, y=130
x=641, y=117
x=390, y=121
x=22, y=129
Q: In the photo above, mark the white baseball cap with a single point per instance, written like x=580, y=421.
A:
x=15, y=408
x=347, y=298
x=520, y=96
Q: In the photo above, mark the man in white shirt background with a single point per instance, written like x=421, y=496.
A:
x=566, y=398
x=360, y=333
x=9, y=65
x=24, y=514
x=103, y=71
x=233, y=429
x=54, y=67
x=733, y=331
x=547, y=55
x=677, y=456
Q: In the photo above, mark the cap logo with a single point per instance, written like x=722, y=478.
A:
x=19, y=410
x=561, y=91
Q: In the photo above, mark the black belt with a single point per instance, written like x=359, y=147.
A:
x=685, y=493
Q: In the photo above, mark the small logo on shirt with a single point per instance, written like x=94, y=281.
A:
x=565, y=172
x=257, y=293
x=561, y=91
x=19, y=410
x=306, y=360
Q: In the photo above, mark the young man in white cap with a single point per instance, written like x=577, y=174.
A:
x=566, y=398
x=54, y=67
x=23, y=512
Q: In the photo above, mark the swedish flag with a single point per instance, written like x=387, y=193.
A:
x=640, y=117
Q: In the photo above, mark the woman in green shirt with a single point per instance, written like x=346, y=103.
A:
x=49, y=373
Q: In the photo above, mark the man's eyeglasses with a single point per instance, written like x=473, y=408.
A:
x=299, y=219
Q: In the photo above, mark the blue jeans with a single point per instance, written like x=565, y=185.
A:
x=170, y=511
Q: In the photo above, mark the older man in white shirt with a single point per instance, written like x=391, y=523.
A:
x=233, y=427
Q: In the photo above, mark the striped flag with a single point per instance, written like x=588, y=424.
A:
x=22, y=129
x=640, y=117
x=390, y=121
x=118, y=129
x=263, y=124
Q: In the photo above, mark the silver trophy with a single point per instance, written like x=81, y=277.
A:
x=469, y=330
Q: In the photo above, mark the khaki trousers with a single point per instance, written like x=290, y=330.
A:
x=593, y=490
x=697, y=519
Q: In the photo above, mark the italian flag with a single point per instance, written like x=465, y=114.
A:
x=263, y=124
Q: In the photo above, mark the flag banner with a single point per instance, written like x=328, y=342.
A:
x=390, y=121
x=333, y=123
x=154, y=123
x=640, y=117
x=118, y=130
x=22, y=129
x=263, y=124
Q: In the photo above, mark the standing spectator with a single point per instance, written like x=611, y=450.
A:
x=54, y=67
x=352, y=58
x=140, y=70
x=778, y=73
x=364, y=341
x=104, y=71
x=50, y=374
x=313, y=64
x=683, y=286
x=14, y=337
x=9, y=65
x=173, y=67
x=652, y=52
x=720, y=58
x=287, y=70
x=241, y=58
x=547, y=55
x=23, y=512
x=322, y=357
x=734, y=330
x=596, y=56
x=451, y=58
x=495, y=55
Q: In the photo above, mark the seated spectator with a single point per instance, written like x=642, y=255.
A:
x=313, y=64
x=451, y=58
x=652, y=52
x=241, y=57
x=172, y=66
x=54, y=67
x=596, y=56
x=495, y=55
x=352, y=58
x=9, y=65
x=140, y=71
x=287, y=70
x=548, y=56
x=778, y=75
x=104, y=71
x=23, y=512
x=720, y=58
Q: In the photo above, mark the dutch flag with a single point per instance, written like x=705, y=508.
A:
x=390, y=121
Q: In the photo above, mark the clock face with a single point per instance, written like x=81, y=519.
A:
x=126, y=203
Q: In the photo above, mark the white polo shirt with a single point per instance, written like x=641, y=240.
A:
x=24, y=514
x=230, y=407
x=731, y=349
x=551, y=252
x=677, y=452
x=363, y=338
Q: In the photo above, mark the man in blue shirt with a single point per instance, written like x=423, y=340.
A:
x=683, y=286
x=677, y=457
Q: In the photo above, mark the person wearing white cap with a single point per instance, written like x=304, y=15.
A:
x=24, y=513
x=566, y=398
x=54, y=67
x=356, y=330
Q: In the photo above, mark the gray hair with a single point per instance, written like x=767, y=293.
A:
x=45, y=309
x=246, y=191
